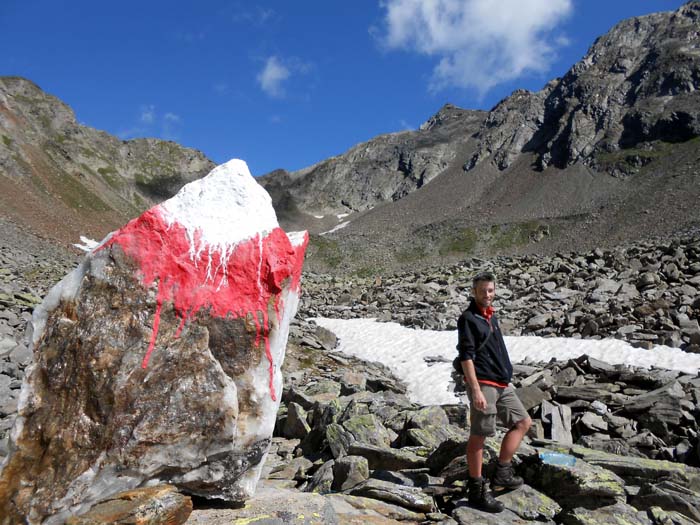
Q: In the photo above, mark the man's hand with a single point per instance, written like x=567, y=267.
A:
x=479, y=399
x=477, y=395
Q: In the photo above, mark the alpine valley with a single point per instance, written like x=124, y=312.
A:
x=582, y=197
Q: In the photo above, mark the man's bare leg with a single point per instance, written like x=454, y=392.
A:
x=475, y=455
x=512, y=439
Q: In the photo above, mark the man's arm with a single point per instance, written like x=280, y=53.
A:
x=477, y=395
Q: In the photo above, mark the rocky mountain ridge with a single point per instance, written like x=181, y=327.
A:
x=605, y=154
x=383, y=169
x=63, y=179
x=637, y=84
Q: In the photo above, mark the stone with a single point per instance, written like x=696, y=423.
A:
x=21, y=354
x=466, y=515
x=272, y=506
x=357, y=510
x=7, y=343
x=385, y=458
x=412, y=498
x=635, y=470
x=157, y=360
x=582, y=484
x=618, y=513
x=322, y=480
x=349, y=471
x=660, y=516
x=296, y=425
x=293, y=469
x=160, y=505
x=557, y=419
x=432, y=436
x=669, y=496
x=530, y=504
x=445, y=453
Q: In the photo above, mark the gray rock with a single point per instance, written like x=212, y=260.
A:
x=296, y=425
x=466, y=515
x=670, y=497
x=411, y=498
x=386, y=458
x=322, y=480
x=583, y=484
x=348, y=472
x=636, y=470
x=618, y=513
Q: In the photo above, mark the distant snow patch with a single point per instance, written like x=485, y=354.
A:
x=319, y=216
x=339, y=227
x=342, y=215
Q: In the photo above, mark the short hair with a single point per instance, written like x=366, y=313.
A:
x=488, y=277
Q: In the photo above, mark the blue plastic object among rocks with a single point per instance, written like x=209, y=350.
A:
x=557, y=458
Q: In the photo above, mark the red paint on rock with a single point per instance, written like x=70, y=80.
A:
x=238, y=282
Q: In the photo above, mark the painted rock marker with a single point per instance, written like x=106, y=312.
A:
x=157, y=360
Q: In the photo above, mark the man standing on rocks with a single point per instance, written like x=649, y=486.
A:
x=488, y=371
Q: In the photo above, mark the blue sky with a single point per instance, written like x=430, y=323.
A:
x=284, y=84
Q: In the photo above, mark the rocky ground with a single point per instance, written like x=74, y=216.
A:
x=350, y=447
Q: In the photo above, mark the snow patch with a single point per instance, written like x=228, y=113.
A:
x=339, y=227
x=403, y=350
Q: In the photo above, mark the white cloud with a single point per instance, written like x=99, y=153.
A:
x=148, y=114
x=478, y=43
x=257, y=15
x=171, y=117
x=273, y=76
x=152, y=123
x=171, y=126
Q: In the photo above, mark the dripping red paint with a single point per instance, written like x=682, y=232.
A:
x=242, y=281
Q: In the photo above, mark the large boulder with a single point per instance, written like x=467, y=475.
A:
x=158, y=359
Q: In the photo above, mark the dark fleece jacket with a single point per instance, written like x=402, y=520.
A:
x=491, y=362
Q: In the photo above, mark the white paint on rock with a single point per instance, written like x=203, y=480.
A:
x=222, y=209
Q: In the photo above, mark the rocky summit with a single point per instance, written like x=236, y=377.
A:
x=157, y=360
x=606, y=153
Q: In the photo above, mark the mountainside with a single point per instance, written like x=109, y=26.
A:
x=384, y=169
x=62, y=179
x=637, y=84
x=607, y=152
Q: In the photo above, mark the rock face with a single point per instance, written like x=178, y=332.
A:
x=637, y=84
x=604, y=154
x=383, y=169
x=158, y=359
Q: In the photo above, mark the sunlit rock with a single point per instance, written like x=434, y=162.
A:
x=158, y=359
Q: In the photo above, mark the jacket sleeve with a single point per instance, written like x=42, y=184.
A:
x=465, y=340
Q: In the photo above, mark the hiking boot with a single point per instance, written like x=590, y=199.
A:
x=503, y=478
x=480, y=497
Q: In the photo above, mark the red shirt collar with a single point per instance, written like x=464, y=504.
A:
x=487, y=313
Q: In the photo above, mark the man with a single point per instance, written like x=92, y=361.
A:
x=488, y=371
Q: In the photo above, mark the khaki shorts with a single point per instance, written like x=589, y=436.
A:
x=501, y=402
